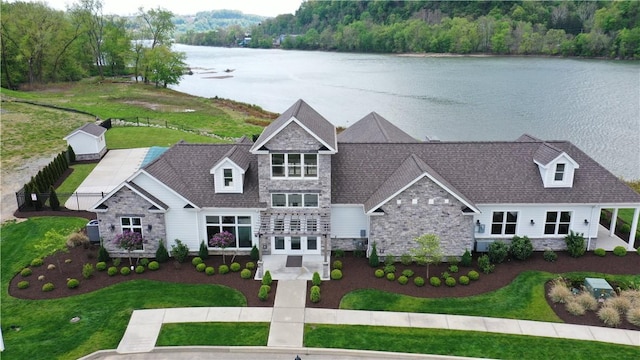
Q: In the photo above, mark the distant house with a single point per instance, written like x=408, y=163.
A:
x=302, y=189
x=88, y=142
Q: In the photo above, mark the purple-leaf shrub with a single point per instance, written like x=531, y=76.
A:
x=128, y=240
x=222, y=239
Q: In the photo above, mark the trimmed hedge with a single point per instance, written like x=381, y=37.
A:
x=418, y=281
x=154, y=265
x=73, y=283
x=336, y=274
x=245, y=274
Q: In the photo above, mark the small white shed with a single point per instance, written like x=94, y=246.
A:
x=88, y=142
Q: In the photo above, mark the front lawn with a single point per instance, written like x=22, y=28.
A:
x=42, y=329
x=214, y=334
x=135, y=137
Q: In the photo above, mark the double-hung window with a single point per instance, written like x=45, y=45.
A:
x=504, y=222
x=294, y=166
x=559, y=174
x=227, y=175
x=557, y=223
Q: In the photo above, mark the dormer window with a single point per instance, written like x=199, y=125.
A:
x=228, y=177
x=294, y=166
x=559, y=175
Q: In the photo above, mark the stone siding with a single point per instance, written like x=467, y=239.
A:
x=348, y=244
x=127, y=203
x=94, y=156
x=395, y=231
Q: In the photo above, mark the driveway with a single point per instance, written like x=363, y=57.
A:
x=114, y=168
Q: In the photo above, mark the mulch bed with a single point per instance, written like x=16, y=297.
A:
x=357, y=274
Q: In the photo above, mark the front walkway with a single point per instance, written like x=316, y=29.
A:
x=288, y=317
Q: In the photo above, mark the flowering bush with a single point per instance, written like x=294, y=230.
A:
x=222, y=240
x=129, y=240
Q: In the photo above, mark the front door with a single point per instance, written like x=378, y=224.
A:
x=295, y=245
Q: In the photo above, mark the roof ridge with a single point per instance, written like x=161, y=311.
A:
x=376, y=118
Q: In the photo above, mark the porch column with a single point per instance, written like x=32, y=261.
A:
x=614, y=220
x=634, y=228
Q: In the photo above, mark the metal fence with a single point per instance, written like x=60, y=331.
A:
x=72, y=201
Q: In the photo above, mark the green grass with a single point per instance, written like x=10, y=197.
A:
x=523, y=299
x=104, y=314
x=460, y=343
x=134, y=137
x=80, y=172
x=214, y=334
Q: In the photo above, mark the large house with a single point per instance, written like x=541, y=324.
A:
x=300, y=189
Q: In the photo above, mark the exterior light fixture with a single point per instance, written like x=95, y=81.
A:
x=112, y=227
x=586, y=222
x=533, y=222
x=149, y=227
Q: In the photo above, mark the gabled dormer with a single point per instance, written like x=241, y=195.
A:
x=556, y=168
x=228, y=173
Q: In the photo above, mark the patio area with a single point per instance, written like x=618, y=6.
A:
x=606, y=241
x=277, y=266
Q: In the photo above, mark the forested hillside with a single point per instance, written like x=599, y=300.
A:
x=570, y=28
x=204, y=21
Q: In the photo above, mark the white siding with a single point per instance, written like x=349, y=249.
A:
x=348, y=220
x=83, y=143
x=537, y=213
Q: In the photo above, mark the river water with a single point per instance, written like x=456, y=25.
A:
x=593, y=103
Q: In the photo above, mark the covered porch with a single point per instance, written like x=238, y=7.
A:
x=608, y=236
x=608, y=241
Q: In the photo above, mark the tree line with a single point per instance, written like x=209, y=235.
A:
x=608, y=29
x=39, y=44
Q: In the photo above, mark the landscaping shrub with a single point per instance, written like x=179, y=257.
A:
x=485, y=264
x=406, y=259
x=388, y=269
x=116, y=261
x=445, y=275
x=408, y=273
x=179, y=251
x=336, y=274
x=619, y=251
x=112, y=271
x=154, y=265
x=609, y=316
x=337, y=264
x=263, y=293
x=338, y=253
x=315, y=294
x=498, y=251
x=101, y=266
x=235, y=267
x=245, y=274
x=464, y=280
x=473, y=275
x=23, y=284
x=622, y=304
x=77, y=239
x=196, y=260
x=550, y=255
x=625, y=228
x=87, y=270
x=374, y=260
x=143, y=261
x=453, y=260
x=521, y=247
x=103, y=254
x=587, y=301
x=633, y=315
x=575, y=308
x=575, y=244
x=359, y=253
x=559, y=292
x=403, y=280
x=203, y=252
x=379, y=273
x=453, y=268
x=201, y=267
x=435, y=281
x=266, y=279
x=391, y=276
x=139, y=269
x=26, y=272
x=250, y=265
x=450, y=281
x=255, y=253
x=37, y=262
x=268, y=288
x=125, y=270
x=48, y=287
x=73, y=283
x=162, y=255
x=418, y=281
x=223, y=269
x=599, y=252
x=389, y=260
x=209, y=270
x=315, y=279
x=466, y=258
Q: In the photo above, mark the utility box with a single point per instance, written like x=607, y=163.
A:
x=599, y=288
x=93, y=231
x=483, y=245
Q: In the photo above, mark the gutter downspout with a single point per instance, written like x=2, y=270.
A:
x=589, y=228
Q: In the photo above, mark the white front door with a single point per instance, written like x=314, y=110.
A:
x=295, y=245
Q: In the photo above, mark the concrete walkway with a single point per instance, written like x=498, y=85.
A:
x=289, y=315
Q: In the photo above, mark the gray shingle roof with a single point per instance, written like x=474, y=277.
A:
x=149, y=196
x=240, y=157
x=185, y=169
x=308, y=117
x=374, y=128
x=484, y=172
x=546, y=153
x=89, y=128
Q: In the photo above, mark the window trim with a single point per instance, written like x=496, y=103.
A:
x=132, y=228
x=237, y=224
x=290, y=169
x=504, y=224
x=557, y=223
x=560, y=172
x=226, y=178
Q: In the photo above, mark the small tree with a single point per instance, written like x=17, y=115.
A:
x=203, y=252
x=128, y=240
x=53, y=199
x=374, y=261
x=222, y=240
x=428, y=250
x=162, y=254
x=71, y=154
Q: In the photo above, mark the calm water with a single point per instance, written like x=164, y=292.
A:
x=594, y=104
